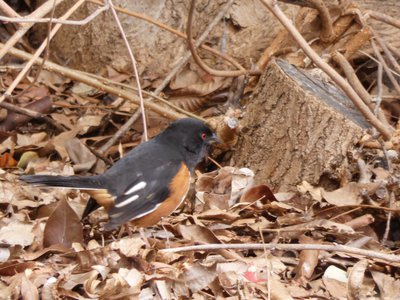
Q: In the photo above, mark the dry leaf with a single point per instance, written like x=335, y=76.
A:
x=87, y=123
x=308, y=260
x=132, y=277
x=83, y=158
x=129, y=247
x=335, y=281
x=16, y=233
x=389, y=287
x=12, y=267
x=197, y=277
x=350, y=194
x=63, y=226
x=260, y=192
x=356, y=278
x=28, y=290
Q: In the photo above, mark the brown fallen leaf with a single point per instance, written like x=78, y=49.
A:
x=259, y=192
x=203, y=235
x=57, y=248
x=28, y=289
x=12, y=267
x=197, y=277
x=17, y=233
x=308, y=260
x=63, y=226
x=335, y=281
x=129, y=247
x=221, y=188
x=350, y=194
x=14, y=120
x=388, y=286
x=83, y=158
x=356, y=278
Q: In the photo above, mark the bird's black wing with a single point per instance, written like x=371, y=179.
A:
x=144, y=194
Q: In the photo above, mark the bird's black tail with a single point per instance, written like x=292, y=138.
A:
x=74, y=182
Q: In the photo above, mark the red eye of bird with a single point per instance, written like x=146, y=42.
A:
x=203, y=136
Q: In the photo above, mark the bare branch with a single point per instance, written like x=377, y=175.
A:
x=33, y=20
x=133, y=60
x=40, y=12
x=384, y=18
x=388, y=258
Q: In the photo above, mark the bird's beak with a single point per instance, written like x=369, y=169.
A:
x=213, y=139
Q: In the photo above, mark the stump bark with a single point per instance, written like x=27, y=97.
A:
x=297, y=127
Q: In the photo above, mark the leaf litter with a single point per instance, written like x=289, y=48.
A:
x=56, y=256
x=47, y=252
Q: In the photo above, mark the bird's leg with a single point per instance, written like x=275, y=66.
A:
x=144, y=238
x=166, y=233
x=121, y=232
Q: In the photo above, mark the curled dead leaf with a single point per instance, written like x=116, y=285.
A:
x=356, y=278
x=259, y=192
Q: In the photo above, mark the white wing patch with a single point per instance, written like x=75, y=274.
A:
x=127, y=201
x=139, y=186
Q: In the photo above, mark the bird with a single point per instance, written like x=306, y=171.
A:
x=147, y=184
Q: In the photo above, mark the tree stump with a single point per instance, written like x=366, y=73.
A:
x=297, y=127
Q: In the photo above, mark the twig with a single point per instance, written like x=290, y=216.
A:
x=358, y=87
x=100, y=156
x=360, y=221
x=387, y=52
x=377, y=61
x=394, y=50
x=75, y=75
x=342, y=214
x=339, y=80
x=389, y=258
x=388, y=220
x=120, y=132
x=34, y=20
x=384, y=18
x=197, y=58
x=40, y=12
x=224, y=56
x=149, y=94
x=32, y=114
x=7, y=10
x=133, y=60
x=378, y=97
x=386, y=68
x=327, y=34
x=358, y=206
x=38, y=52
